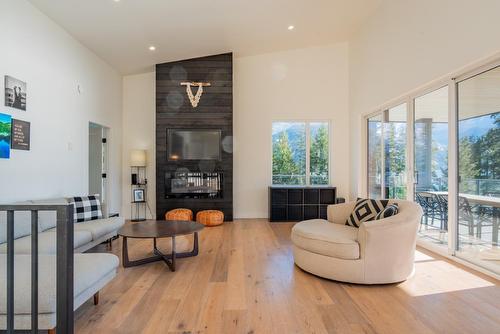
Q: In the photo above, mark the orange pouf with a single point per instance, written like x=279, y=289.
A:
x=179, y=214
x=210, y=217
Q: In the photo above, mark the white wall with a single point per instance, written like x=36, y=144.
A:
x=37, y=51
x=304, y=84
x=139, y=133
x=407, y=44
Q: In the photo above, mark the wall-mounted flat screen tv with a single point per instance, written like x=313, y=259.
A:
x=193, y=144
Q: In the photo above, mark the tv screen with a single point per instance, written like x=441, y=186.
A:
x=193, y=144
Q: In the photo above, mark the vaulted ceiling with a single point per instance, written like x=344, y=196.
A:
x=121, y=31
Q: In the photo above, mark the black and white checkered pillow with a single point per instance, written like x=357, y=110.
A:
x=389, y=211
x=87, y=208
x=365, y=210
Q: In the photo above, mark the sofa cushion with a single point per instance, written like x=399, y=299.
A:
x=89, y=269
x=86, y=208
x=100, y=227
x=325, y=238
x=51, y=201
x=365, y=210
x=46, y=242
x=48, y=219
x=389, y=211
x=22, y=223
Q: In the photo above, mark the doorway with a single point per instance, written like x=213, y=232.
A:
x=98, y=161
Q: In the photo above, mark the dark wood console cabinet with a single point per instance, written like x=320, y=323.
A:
x=299, y=203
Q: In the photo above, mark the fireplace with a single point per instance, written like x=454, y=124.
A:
x=194, y=153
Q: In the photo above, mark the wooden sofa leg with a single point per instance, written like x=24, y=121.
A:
x=96, y=298
x=51, y=331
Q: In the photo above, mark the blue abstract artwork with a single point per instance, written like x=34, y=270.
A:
x=5, y=133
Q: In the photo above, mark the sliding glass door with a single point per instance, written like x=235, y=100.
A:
x=454, y=169
x=395, y=152
x=375, y=156
x=430, y=133
x=386, y=164
x=478, y=198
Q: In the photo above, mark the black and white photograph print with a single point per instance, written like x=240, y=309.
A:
x=139, y=195
x=15, y=93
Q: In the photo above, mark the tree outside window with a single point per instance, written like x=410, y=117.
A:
x=291, y=163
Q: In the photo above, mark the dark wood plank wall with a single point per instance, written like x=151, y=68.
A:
x=215, y=111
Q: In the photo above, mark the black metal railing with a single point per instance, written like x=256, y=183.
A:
x=64, y=265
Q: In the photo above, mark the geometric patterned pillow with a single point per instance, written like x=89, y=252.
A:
x=366, y=210
x=87, y=208
x=390, y=210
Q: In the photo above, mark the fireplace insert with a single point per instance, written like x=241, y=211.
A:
x=193, y=185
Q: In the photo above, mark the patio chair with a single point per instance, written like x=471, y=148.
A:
x=430, y=206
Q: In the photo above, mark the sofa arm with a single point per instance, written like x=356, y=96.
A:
x=387, y=246
x=104, y=209
x=339, y=213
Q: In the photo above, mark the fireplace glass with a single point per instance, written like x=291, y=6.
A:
x=193, y=185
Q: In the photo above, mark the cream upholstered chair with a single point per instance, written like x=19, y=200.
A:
x=379, y=251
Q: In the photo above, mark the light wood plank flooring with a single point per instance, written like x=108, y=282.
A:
x=244, y=281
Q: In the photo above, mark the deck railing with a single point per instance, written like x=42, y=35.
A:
x=64, y=265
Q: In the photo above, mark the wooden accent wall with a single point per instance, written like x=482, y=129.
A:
x=215, y=111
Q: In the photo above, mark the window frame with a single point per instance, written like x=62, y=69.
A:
x=307, y=123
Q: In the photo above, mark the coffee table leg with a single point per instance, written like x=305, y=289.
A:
x=195, y=250
x=125, y=253
x=128, y=263
x=173, y=253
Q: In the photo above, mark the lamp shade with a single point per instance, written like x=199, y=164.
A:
x=138, y=158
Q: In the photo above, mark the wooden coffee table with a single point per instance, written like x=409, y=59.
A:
x=156, y=229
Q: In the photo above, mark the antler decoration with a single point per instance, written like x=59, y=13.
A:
x=195, y=99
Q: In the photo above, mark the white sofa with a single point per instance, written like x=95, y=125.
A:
x=91, y=271
x=86, y=234
x=378, y=252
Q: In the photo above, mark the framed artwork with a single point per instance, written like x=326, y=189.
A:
x=20, y=139
x=139, y=195
x=5, y=134
x=15, y=93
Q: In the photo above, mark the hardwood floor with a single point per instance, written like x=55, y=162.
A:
x=244, y=281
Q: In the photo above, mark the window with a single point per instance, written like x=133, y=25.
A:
x=375, y=156
x=301, y=153
x=430, y=147
x=395, y=152
x=478, y=195
x=446, y=157
x=386, y=150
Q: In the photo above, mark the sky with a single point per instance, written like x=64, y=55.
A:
x=477, y=126
x=4, y=118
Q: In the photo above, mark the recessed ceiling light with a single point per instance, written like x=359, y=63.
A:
x=116, y=0
x=291, y=27
x=152, y=48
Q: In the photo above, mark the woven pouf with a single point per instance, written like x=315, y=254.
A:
x=179, y=214
x=210, y=217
